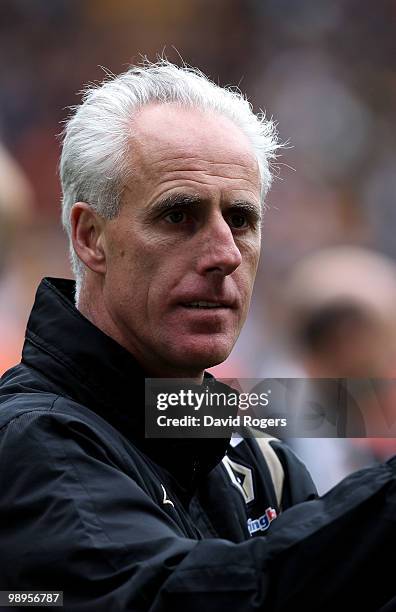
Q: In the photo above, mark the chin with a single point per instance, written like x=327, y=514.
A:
x=201, y=356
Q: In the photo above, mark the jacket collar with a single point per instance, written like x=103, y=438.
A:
x=81, y=362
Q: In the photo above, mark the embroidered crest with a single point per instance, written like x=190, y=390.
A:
x=241, y=477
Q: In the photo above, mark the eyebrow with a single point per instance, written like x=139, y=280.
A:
x=178, y=200
x=175, y=200
x=247, y=207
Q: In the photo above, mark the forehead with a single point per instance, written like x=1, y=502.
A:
x=169, y=139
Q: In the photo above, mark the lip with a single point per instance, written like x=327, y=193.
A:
x=223, y=303
x=204, y=312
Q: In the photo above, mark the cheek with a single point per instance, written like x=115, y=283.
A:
x=246, y=275
x=146, y=278
x=132, y=260
x=126, y=276
x=251, y=257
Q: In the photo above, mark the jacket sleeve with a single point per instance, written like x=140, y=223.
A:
x=71, y=520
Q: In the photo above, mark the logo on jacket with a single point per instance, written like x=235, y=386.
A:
x=241, y=477
x=263, y=522
x=166, y=499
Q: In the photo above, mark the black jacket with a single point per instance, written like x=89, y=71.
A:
x=89, y=506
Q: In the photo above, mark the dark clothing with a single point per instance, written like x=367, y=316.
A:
x=89, y=506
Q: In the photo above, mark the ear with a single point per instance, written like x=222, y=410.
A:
x=87, y=236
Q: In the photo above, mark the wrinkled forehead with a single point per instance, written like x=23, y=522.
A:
x=164, y=133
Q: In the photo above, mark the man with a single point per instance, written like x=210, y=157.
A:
x=341, y=324
x=163, y=176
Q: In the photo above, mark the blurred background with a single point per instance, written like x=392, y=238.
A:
x=324, y=303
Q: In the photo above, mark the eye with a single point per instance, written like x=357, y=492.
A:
x=238, y=220
x=177, y=216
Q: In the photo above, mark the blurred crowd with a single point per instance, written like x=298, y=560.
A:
x=326, y=71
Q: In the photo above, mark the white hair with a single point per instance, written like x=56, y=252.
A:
x=97, y=140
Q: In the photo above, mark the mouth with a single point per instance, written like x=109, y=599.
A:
x=204, y=305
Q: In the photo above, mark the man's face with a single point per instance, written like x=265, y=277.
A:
x=182, y=255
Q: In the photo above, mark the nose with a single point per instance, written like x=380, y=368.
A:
x=218, y=252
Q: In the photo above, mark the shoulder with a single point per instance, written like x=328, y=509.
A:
x=49, y=427
x=21, y=394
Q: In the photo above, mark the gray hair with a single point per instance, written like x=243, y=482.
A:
x=97, y=138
